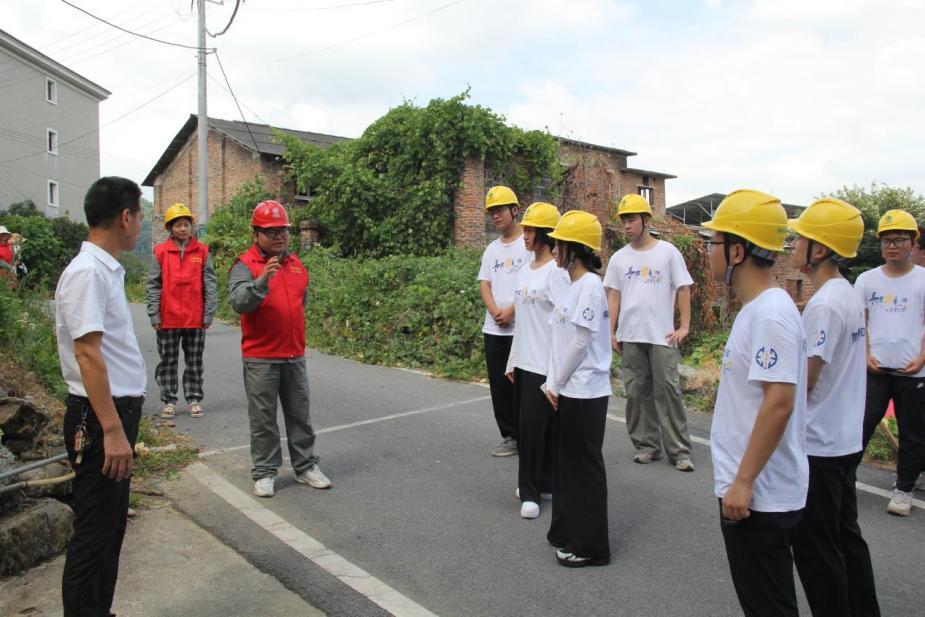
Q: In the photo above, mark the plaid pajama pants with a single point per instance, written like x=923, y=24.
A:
x=193, y=341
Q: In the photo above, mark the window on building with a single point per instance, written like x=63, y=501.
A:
x=51, y=91
x=306, y=195
x=51, y=141
x=52, y=194
x=647, y=192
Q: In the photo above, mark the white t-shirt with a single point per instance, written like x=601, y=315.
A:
x=500, y=263
x=766, y=345
x=895, y=315
x=834, y=324
x=90, y=297
x=535, y=295
x=647, y=282
x=584, y=305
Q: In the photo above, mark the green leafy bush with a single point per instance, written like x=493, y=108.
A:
x=49, y=245
x=27, y=335
x=390, y=192
x=879, y=448
x=416, y=312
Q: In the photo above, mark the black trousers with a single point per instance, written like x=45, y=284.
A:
x=497, y=349
x=536, y=432
x=758, y=550
x=908, y=395
x=831, y=556
x=100, y=513
x=579, y=494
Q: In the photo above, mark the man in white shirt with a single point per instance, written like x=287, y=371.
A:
x=831, y=556
x=642, y=280
x=500, y=263
x=894, y=303
x=106, y=378
x=758, y=434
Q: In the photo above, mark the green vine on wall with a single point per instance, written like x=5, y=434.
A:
x=390, y=192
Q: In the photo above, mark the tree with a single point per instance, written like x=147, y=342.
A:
x=23, y=208
x=873, y=202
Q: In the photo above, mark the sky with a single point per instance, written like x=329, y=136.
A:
x=794, y=97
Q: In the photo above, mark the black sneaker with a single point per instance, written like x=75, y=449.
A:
x=571, y=560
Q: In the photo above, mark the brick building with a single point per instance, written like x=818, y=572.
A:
x=238, y=153
x=695, y=212
x=594, y=177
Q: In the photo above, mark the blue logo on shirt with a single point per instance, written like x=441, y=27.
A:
x=858, y=334
x=820, y=338
x=588, y=314
x=766, y=358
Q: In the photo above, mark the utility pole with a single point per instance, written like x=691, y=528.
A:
x=202, y=126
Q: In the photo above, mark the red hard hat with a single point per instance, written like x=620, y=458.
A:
x=270, y=214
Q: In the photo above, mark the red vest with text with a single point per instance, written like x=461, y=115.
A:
x=277, y=328
x=182, y=302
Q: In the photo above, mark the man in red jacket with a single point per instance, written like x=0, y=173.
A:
x=269, y=289
x=181, y=301
x=6, y=254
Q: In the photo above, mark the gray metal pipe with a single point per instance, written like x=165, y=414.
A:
x=48, y=461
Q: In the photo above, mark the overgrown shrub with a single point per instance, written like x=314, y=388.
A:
x=27, y=335
x=390, y=192
x=48, y=246
x=417, y=312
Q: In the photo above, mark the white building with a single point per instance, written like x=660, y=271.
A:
x=49, y=131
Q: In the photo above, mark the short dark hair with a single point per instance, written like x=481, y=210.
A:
x=921, y=238
x=108, y=197
x=542, y=235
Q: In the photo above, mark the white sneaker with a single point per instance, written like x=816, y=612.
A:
x=529, y=509
x=543, y=496
x=900, y=504
x=265, y=487
x=314, y=477
x=920, y=484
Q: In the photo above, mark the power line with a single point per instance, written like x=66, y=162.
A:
x=244, y=105
x=237, y=5
x=322, y=8
x=231, y=92
x=113, y=121
x=129, y=31
x=359, y=38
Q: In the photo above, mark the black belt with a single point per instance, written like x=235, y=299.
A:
x=115, y=399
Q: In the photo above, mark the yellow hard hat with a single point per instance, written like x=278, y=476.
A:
x=500, y=196
x=177, y=211
x=832, y=223
x=898, y=220
x=580, y=227
x=634, y=204
x=756, y=217
x=541, y=214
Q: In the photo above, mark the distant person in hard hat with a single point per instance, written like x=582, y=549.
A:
x=759, y=424
x=269, y=288
x=578, y=388
x=894, y=302
x=7, y=261
x=538, y=285
x=643, y=280
x=831, y=556
x=182, y=299
x=500, y=263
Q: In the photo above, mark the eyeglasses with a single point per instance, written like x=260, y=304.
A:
x=274, y=232
x=897, y=242
x=709, y=243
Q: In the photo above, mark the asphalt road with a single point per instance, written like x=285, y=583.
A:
x=420, y=504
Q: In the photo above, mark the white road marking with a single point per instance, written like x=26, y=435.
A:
x=342, y=427
x=861, y=486
x=356, y=578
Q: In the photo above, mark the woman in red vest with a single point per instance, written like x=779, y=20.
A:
x=181, y=301
x=269, y=289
